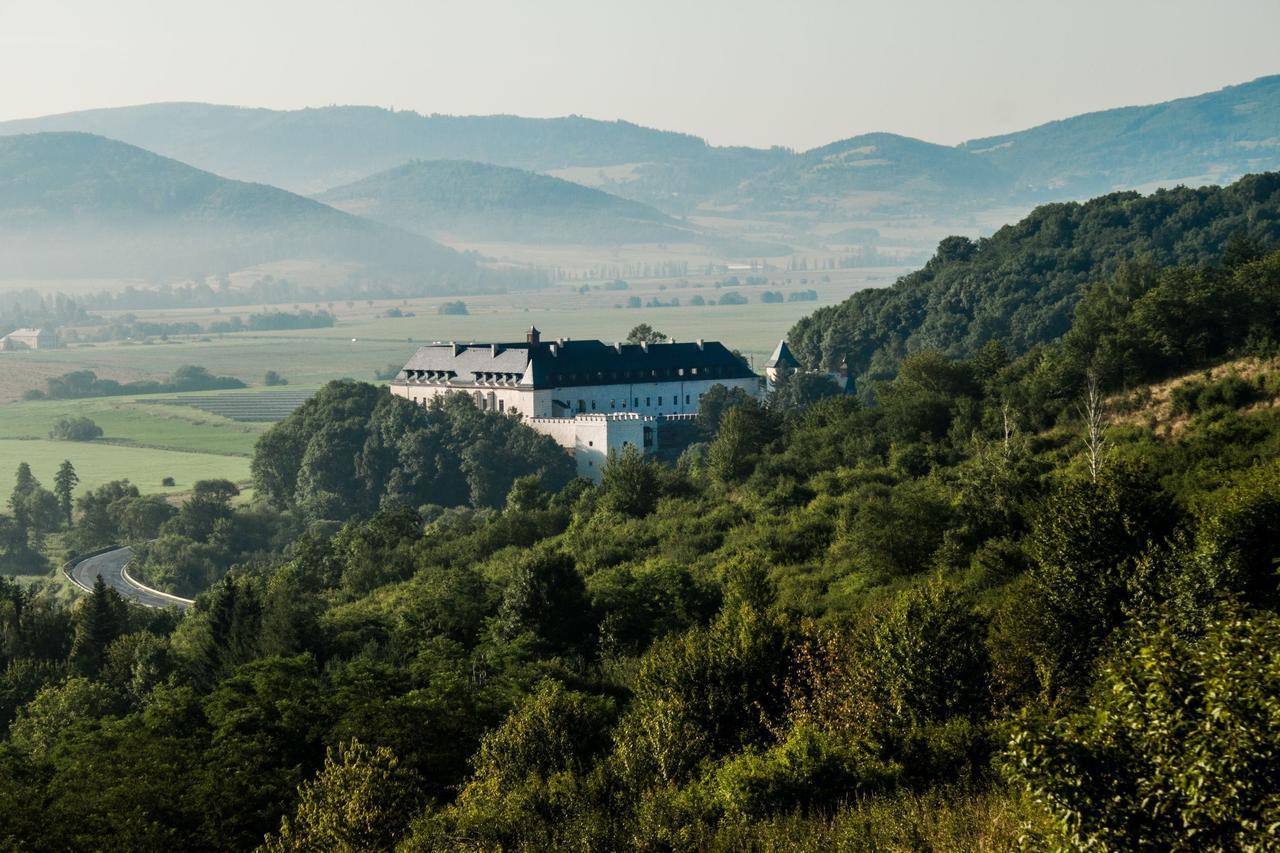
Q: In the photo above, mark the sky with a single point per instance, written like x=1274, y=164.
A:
x=798, y=73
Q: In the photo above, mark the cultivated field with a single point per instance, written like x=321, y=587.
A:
x=143, y=441
x=98, y=463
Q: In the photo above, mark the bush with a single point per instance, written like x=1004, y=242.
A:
x=272, y=379
x=457, y=308
x=1191, y=398
x=75, y=429
x=1178, y=751
x=733, y=298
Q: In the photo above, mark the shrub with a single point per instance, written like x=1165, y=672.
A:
x=271, y=379
x=1194, y=397
x=75, y=429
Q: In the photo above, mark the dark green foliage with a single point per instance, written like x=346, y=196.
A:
x=85, y=383
x=101, y=619
x=1021, y=285
x=630, y=483
x=352, y=448
x=645, y=334
x=64, y=483
x=75, y=429
x=1191, y=398
x=546, y=599
x=1177, y=752
x=1085, y=546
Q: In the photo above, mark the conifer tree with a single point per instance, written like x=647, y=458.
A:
x=100, y=620
x=64, y=483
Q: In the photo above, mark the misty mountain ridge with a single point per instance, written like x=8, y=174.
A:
x=76, y=204
x=1207, y=138
x=481, y=201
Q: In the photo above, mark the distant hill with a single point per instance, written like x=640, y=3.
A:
x=1021, y=285
x=1213, y=137
x=485, y=202
x=1210, y=138
x=75, y=204
x=312, y=150
x=874, y=171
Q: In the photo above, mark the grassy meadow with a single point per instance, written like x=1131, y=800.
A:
x=142, y=441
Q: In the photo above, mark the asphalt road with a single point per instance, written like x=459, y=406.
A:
x=111, y=567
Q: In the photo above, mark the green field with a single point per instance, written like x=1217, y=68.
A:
x=98, y=463
x=143, y=441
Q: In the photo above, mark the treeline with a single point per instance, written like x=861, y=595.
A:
x=85, y=383
x=1020, y=286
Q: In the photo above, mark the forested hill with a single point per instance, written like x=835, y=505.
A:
x=73, y=204
x=482, y=201
x=1021, y=285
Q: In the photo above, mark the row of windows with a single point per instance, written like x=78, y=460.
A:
x=648, y=401
x=714, y=371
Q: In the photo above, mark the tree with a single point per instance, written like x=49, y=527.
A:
x=744, y=432
x=360, y=800
x=645, y=334
x=1093, y=413
x=630, y=482
x=35, y=509
x=271, y=379
x=99, y=621
x=1177, y=752
x=797, y=391
x=547, y=599
x=64, y=483
x=717, y=400
x=1085, y=544
x=75, y=429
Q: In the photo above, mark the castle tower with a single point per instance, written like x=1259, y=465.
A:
x=781, y=364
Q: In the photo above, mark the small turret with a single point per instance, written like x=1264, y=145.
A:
x=781, y=364
x=533, y=337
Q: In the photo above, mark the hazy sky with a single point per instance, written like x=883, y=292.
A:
x=795, y=72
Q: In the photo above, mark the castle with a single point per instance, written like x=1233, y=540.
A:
x=591, y=397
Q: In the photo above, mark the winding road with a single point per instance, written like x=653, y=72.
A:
x=113, y=567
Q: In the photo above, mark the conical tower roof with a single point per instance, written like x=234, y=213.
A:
x=782, y=356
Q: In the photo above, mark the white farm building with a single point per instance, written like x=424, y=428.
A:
x=591, y=397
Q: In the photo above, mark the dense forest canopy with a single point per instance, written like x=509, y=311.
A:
x=1024, y=598
x=1020, y=285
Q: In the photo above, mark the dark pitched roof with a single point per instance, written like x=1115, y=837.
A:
x=782, y=357
x=552, y=364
